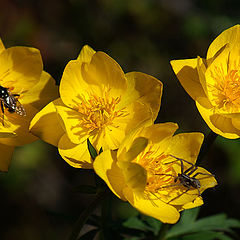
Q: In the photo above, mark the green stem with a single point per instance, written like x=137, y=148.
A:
x=206, y=145
x=86, y=213
x=162, y=233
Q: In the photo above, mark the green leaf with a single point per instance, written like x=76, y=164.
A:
x=188, y=225
x=92, y=150
x=136, y=223
x=207, y=235
x=154, y=224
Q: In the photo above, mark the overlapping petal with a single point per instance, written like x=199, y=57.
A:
x=29, y=88
x=148, y=165
x=214, y=83
x=21, y=68
x=99, y=103
x=47, y=125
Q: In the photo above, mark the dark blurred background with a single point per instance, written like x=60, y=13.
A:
x=38, y=196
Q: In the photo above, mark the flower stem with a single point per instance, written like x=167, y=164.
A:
x=206, y=145
x=86, y=213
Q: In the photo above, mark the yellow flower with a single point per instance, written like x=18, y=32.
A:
x=97, y=101
x=30, y=88
x=145, y=171
x=214, y=83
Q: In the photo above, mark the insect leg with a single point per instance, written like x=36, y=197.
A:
x=191, y=170
x=180, y=195
x=206, y=174
x=180, y=159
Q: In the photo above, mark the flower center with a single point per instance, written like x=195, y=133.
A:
x=99, y=112
x=158, y=173
x=226, y=90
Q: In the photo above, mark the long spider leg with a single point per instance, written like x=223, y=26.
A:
x=191, y=169
x=180, y=195
x=180, y=159
x=171, y=185
x=206, y=174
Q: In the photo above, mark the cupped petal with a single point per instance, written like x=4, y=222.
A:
x=106, y=167
x=2, y=48
x=230, y=36
x=185, y=146
x=138, y=145
x=154, y=208
x=196, y=203
x=42, y=93
x=81, y=80
x=72, y=124
x=187, y=74
x=207, y=180
x=145, y=89
x=215, y=76
x=47, y=125
x=134, y=174
x=19, y=125
x=6, y=156
x=218, y=123
x=201, y=68
x=236, y=121
x=21, y=68
x=106, y=72
x=76, y=155
x=158, y=132
x=86, y=54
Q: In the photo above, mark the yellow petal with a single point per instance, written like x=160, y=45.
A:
x=138, y=145
x=47, y=125
x=5, y=132
x=6, y=156
x=42, y=93
x=144, y=89
x=196, y=203
x=21, y=68
x=1, y=46
x=219, y=123
x=158, y=132
x=202, y=67
x=236, y=122
x=215, y=73
x=72, y=124
x=76, y=155
x=81, y=79
x=86, y=54
x=157, y=209
x=187, y=74
x=19, y=125
x=206, y=179
x=186, y=146
x=105, y=166
x=135, y=175
x=154, y=132
x=230, y=36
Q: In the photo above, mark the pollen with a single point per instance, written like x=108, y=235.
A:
x=226, y=90
x=99, y=112
x=159, y=174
